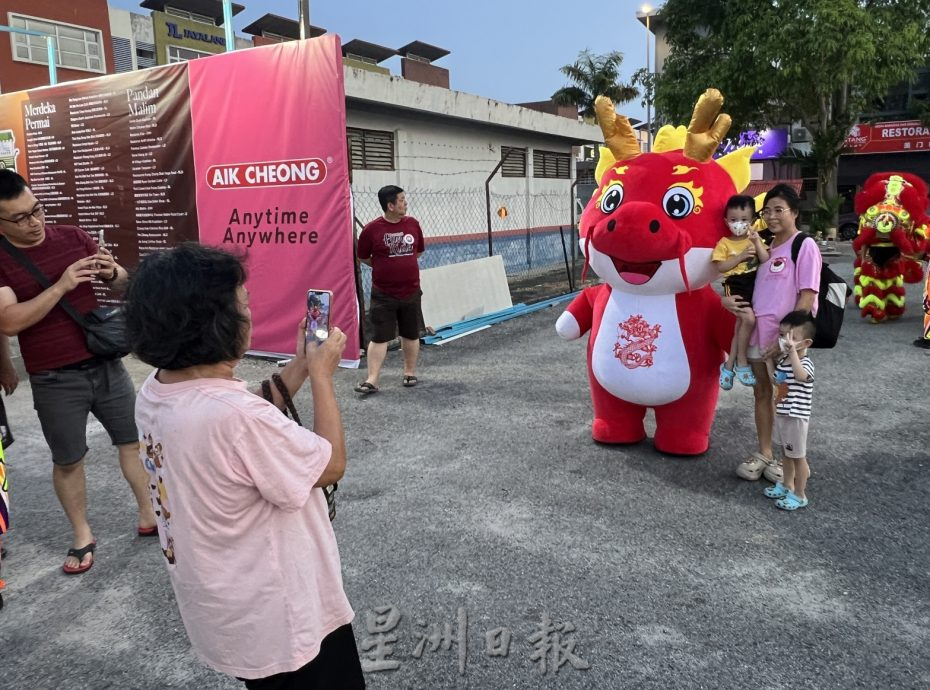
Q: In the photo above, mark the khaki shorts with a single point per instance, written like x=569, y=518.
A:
x=791, y=434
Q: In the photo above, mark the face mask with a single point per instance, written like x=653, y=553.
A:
x=738, y=227
x=783, y=345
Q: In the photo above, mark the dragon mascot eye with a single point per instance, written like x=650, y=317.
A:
x=678, y=202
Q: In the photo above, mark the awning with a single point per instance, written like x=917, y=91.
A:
x=757, y=187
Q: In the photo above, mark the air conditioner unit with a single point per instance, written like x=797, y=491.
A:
x=800, y=135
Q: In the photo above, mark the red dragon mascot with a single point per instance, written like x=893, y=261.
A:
x=893, y=229
x=658, y=329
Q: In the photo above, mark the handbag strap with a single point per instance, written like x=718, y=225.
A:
x=41, y=278
x=285, y=395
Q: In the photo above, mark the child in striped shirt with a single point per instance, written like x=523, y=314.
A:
x=793, y=376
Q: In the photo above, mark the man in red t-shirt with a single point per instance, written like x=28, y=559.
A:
x=391, y=245
x=67, y=380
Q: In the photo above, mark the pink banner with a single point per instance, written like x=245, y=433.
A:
x=273, y=182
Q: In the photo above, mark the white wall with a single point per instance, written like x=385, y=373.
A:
x=446, y=145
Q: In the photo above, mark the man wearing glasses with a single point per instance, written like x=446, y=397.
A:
x=67, y=380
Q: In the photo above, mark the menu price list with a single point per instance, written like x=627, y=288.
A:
x=113, y=156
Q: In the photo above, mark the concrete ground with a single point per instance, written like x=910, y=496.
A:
x=479, y=498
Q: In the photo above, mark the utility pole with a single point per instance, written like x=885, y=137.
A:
x=304, y=18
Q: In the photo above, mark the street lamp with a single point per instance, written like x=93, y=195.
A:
x=646, y=12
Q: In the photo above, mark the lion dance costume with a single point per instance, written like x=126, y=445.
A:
x=892, y=239
x=658, y=329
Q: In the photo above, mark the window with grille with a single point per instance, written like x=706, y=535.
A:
x=179, y=54
x=514, y=162
x=122, y=54
x=370, y=149
x=76, y=47
x=145, y=54
x=552, y=164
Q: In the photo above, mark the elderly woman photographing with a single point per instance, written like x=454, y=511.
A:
x=236, y=485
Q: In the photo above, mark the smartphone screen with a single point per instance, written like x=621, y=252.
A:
x=319, y=308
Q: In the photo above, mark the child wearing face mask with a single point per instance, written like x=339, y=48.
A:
x=737, y=257
x=793, y=378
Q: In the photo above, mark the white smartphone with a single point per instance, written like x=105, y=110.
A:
x=101, y=242
x=319, y=309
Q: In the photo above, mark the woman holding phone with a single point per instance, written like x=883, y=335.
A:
x=236, y=485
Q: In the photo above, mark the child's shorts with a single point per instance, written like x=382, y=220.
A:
x=791, y=434
x=741, y=284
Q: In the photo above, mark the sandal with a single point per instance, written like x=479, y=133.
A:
x=791, y=502
x=745, y=376
x=777, y=491
x=80, y=555
x=409, y=381
x=726, y=377
x=366, y=388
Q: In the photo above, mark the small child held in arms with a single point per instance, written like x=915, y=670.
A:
x=793, y=376
x=737, y=257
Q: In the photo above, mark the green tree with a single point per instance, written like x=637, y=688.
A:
x=820, y=62
x=592, y=76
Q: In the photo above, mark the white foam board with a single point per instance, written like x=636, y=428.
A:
x=463, y=291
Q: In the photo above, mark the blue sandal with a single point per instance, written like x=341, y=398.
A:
x=777, y=491
x=791, y=502
x=745, y=376
x=726, y=377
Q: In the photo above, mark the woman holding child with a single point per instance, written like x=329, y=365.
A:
x=782, y=286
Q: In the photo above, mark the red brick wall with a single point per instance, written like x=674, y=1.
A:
x=265, y=41
x=93, y=14
x=424, y=73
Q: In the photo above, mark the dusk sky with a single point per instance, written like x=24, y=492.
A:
x=508, y=50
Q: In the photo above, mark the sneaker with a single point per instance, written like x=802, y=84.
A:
x=773, y=471
x=752, y=467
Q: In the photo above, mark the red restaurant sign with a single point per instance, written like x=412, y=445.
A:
x=889, y=137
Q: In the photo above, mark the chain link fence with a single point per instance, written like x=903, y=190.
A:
x=532, y=232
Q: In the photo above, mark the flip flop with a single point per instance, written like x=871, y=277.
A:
x=726, y=377
x=791, y=502
x=147, y=531
x=745, y=376
x=366, y=388
x=79, y=554
x=777, y=491
x=410, y=381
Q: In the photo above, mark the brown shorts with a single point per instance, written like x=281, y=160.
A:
x=390, y=317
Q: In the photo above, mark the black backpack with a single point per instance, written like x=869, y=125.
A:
x=831, y=299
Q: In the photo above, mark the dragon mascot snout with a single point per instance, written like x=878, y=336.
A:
x=658, y=330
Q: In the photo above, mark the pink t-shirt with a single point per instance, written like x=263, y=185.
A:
x=250, y=549
x=778, y=283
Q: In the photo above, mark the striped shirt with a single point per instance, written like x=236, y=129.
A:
x=793, y=397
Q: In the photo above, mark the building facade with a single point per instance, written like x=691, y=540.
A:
x=471, y=165
x=82, y=33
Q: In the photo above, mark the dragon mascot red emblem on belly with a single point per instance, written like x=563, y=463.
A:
x=658, y=330
x=893, y=229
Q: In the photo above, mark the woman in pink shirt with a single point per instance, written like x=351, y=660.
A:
x=782, y=286
x=236, y=485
